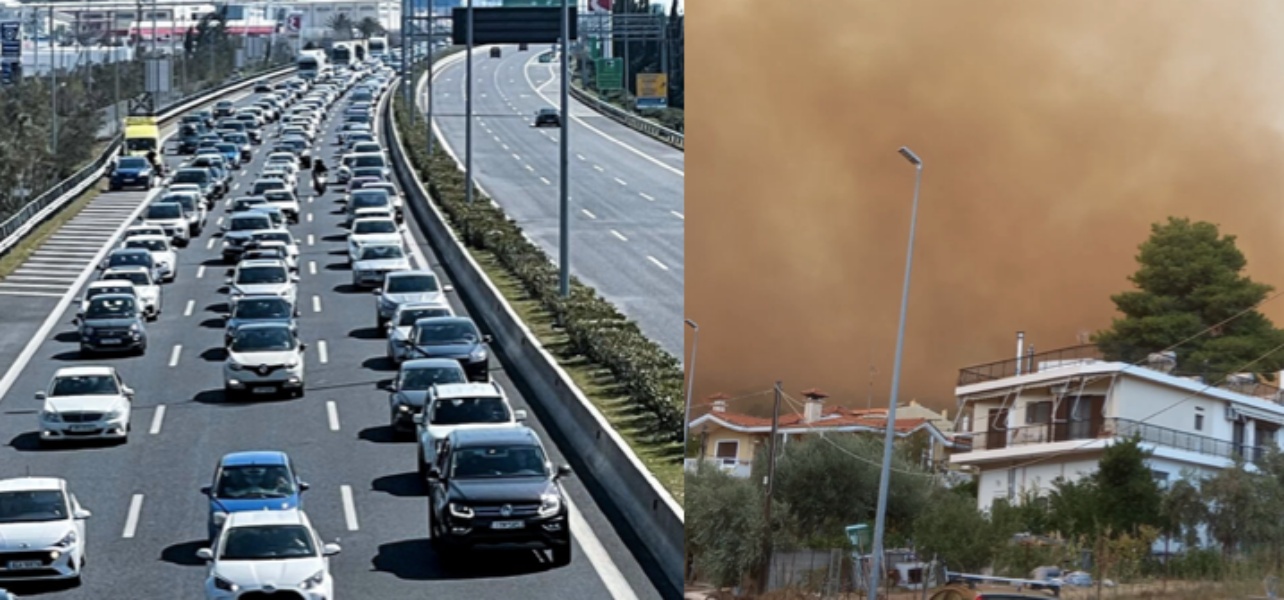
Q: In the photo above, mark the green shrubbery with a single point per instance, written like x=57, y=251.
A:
x=595, y=328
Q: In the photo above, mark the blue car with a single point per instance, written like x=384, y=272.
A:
x=254, y=480
x=132, y=171
x=231, y=153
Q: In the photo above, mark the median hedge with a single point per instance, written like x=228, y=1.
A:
x=596, y=329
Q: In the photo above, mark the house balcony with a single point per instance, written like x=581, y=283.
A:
x=731, y=466
x=1101, y=429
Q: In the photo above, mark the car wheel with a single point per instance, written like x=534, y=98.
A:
x=562, y=555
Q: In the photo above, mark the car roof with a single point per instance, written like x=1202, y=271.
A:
x=410, y=273
x=454, y=319
x=429, y=363
x=484, y=436
x=261, y=262
x=262, y=297
x=106, y=297
x=104, y=283
x=123, y=251
x=86, y=370
x=128, y=268
x=145, y=238
x=258, y=518
x=245, y=214
x=409, y=306
x=265, y=325
x=457, y=390
x=25, y=484
x=254, y=457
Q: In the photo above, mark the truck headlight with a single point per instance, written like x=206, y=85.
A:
x=225, y=585
x=549, y=505
x=67, y=540
x=233, y=365
x=315, y=580
x=461, y=511
x=478, y=355
x=50, y=416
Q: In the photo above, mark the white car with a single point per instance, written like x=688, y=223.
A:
x=286, y=201
x=397, y=202
x=283, y=158
x=377, y=260
x=137, y=230
x=276, y=553
x=162, y=253
x=371, y=231
x=83, y=403
x=98, y=288
x=455, y=406
x=264, y=358
x=170, y=217
x=402, y=325
x=188, y=188
x=147, y=289
x=282, y=172
x=42, y=530
x=257, y=277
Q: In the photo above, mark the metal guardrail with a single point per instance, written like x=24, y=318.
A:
x=628, y=119
x=37, y=211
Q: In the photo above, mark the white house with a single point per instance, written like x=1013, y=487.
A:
x=1038, y=417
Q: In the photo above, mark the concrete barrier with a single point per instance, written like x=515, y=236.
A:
x=653, y=516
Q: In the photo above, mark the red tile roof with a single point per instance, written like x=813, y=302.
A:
x=831, y=417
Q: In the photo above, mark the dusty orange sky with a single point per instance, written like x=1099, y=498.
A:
x=1054, y=132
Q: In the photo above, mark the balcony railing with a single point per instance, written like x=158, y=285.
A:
x=738, y=468
x=1046, y=433
x=1086, y=354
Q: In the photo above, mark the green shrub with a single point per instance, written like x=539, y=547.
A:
x=596, y=329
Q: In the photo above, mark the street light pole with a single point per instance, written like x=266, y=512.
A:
x=884, y=479
x=468, y=109
x=564, y=183
x=695, y=343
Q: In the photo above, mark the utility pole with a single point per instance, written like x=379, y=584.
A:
x=468, y=109
x=53, y=86
x=564, y=179
x=769, y=484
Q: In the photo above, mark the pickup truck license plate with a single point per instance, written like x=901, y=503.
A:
x=22, y=565
x=263, y=390
x=507, y=525
x=109, y=341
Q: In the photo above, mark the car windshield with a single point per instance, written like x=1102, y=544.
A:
x=84, y=385
x=271, y=184
x=242, y=482
x=138, y=278
x=368, y=161
x=140, y=144
x=410, y=317
x=409, y=284
x=262, y=308
x=274, y=236
x=268, y=542
x=32, y=506
x=154, y=245
x=447, y=333
x=497, y=461
x=113, y=289
x=381, y=253
x=251, y=223
x=257, y=275
x=420, y=379
x=110, y=308
x=165, y=210
x=132, y=162
x=237, y=138
x=458, y=411
x=374, y=172
x=187, y=201
x=128, y=259
x=197, y=176
x=379, y=226
x=369, y=199
x=246, y=203
x=279, y=195
x=367, y=147
x=263, y=339
x=228, y=148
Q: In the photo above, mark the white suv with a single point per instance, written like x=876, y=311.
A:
x=42, y=530
x=263, y=276
x=269, y=553
x=460, y=406
x=84, y=403
x=264, y=358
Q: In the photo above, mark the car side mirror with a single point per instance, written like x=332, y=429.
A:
x=563, y=471
x=294, y=278
x=222, y=227
x=129, y=392
x=206, y=490
x=487, y=338
x=205, y=554
x=376, y=292
x=227, y=281
x=303, y=347
x=81, y=514
x=418, y=418
x=40, y=396
x=331, y=549
x=434, y=473
x=449, y=288
x=304, y=486
x=520, y=414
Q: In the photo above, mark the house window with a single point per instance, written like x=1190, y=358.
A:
x=1237, y=438
x=1160, y=477
x=726, y=452
x=1199, y=422
x=1038, y=413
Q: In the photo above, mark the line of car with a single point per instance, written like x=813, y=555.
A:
x=488, y=475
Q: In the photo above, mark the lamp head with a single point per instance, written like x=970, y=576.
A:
x=910, y=156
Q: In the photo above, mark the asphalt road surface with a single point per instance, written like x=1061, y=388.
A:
x=148, y=515
x=626, y=189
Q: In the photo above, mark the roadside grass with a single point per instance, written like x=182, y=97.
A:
x=662, y=459
x=668, y=117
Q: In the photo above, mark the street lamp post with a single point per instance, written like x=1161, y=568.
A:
x=884, y=479
x=695, y=342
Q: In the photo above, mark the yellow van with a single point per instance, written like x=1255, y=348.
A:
x=142, y=135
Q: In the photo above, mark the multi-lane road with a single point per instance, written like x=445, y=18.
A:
x=148, y=515
x=626, y=189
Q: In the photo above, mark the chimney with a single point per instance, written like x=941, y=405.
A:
x=813, y=408
x=1020, y=350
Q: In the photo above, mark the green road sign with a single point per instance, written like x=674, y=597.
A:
x=610, y=73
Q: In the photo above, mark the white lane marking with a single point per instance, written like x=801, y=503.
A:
x=612, y=578
x=157, y=419
x=310, y=199
x=236, y=186
x=312, y=267
x=210, y=244
x=322, y=353
x=187, y=311
x=219, y=221
x=647, y=197
x=678, y=214
x=505, y=146
x=316, y=304
x=349, y=509
x=311, y=240
x=538, y=90
x=588, y=214
x=516, y=156
x=598, y=168
x=620, y=181
x=131, y=520
x=332, y=412
x=619, y=235
x=546, y=181
x=200, y=271
x=580, y=156
x=529, y=168
x=173, y=356
x=657, y=262
x=309, y=217
x=496, y=137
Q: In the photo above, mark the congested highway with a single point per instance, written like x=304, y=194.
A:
x=149, y=517
x=626, y=188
